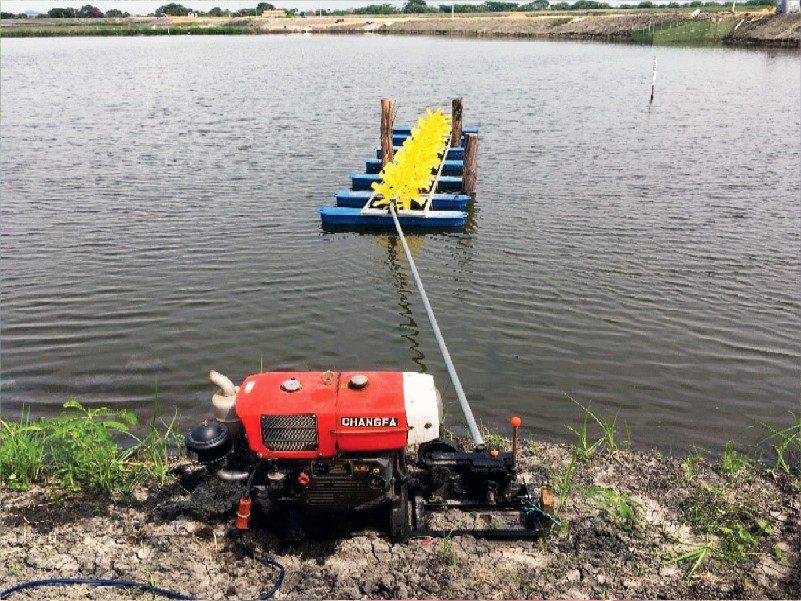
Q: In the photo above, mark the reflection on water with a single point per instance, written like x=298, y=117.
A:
x=397, y=264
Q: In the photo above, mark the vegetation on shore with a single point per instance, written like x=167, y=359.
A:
x=732, y=525
x=86, y=447
x=690, y=23
x=96, y=448
x=410, y=7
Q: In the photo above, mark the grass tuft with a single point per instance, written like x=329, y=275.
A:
x=492, y=440
x=732, y=462
x=585, y=446
x=787, y=444
x=688, y=465
x=732, y=530
x=620, y=507
x=697, y=556
x=448, y=551
x=22, y=454
x=82, y=448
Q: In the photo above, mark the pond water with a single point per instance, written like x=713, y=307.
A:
x=159, y=219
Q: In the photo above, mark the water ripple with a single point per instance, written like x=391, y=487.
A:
x=161, y=219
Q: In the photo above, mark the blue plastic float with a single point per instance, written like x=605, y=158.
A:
x=439, y=202
x=446, y=210
x=381, y=218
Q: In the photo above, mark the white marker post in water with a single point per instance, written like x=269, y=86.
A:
x=653, y=83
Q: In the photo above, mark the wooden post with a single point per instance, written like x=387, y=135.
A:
x=470, y=171
x=387, y=152
x=456, y=123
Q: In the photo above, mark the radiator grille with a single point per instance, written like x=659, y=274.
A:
x=289, y=432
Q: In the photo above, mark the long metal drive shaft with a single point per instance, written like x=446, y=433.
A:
x=478, y=440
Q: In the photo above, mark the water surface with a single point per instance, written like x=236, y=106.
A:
x=159, y=219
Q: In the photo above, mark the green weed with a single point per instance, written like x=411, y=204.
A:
x=82, y=448
x=562, y=482
x=151, y=454
x=565, y=482
x=22, y=453
x=696, y=556
x=787, y=444
x=627, y=442
x=585, y=446
x=527, y=588
x=491, y=439
x=737, y=529
x=448, y=551
x=731, y=462
x=688, y=465
x=620, y=507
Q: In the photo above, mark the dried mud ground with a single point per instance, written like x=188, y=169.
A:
x=178, y=536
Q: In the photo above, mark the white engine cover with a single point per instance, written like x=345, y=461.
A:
x=423, y=407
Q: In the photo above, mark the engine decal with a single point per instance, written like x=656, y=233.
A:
x=369, y=422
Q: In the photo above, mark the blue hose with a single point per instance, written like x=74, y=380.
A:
x=146, y=587
x=94, y=582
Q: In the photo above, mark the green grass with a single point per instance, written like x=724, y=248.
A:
x=448, y=551
x=492, y=440
x=688, y=465
x=697, y=556
x=127, y=31
x=732, y=462
x=786, y=442
x=595, y=434
x=587, y=443
x=695, y=31
x=22, y=454
x=82, y=448
x=564, y=482
x=732, y=530
x=618, y=506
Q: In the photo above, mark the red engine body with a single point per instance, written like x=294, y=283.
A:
x=306, y=415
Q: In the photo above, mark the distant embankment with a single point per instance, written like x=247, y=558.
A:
x=746, y=28
x=753, y=28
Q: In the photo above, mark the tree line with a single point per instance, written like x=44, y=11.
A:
x=412, y=6
x=173, y=10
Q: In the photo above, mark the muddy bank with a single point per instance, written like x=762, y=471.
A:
x=178, y=536
x=767, y=30
x=750, y=28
